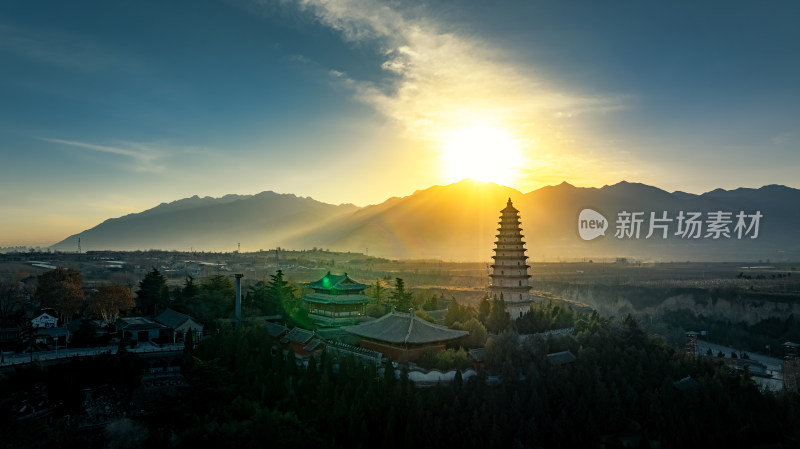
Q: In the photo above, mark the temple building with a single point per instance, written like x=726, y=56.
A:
x=509, y=278
x=336, y=300
x=403, y=337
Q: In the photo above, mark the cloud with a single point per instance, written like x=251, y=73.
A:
x=782, y=138
x=64, y=49
x=143, y=157
x=439, y=80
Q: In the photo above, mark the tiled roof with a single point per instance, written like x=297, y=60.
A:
x=298, y=335
x=137, y=323
x=561, y=358
x=477, y=354
x=276, y=330
x=322, y=298
x=336, y=283
x=173, y=319
x=685, y=384
x=313, y=344
x=397, y=327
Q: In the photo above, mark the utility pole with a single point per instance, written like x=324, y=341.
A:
x=238, y=277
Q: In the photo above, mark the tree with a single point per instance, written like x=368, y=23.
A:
x=61, y=290
x=400, y=297
x=190, y=290
x=284, y=294
x=280, y=292
x=431, y=303
x=215, y=300
x=109, y=300
x=257, y=298
x=456, y=313
x=153, y=293
x=27, y=335
x=125, y=433
x=484, y=308
x=498, y=318
x=183, y=296
x=376, y=291
x=477, y=333
x=11, y=299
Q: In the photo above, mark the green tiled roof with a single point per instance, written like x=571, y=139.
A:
x=397, y=327
x=336, y=282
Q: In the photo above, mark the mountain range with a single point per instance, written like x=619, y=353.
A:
x=459, y=222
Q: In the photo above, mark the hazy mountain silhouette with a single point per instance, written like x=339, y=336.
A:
x=458, y=222
x=217, y=224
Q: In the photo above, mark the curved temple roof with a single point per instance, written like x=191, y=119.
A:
x=340, y=282
x=398, y=327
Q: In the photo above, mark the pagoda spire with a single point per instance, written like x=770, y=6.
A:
x=509, y=277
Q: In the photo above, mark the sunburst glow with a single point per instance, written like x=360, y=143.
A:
x=484, y=153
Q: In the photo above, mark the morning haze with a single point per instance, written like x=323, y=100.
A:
x=339, y=224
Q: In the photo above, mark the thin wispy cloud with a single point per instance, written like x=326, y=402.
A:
x=140, y=157
x=63, y=49
x=441, y=79
x=783, y=138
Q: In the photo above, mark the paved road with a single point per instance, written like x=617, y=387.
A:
x=9, y=359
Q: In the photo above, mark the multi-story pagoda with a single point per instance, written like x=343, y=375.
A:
x=336, y=300
x=509, y=278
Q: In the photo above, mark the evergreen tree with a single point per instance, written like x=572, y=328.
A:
x=498, y=319
x=153, y=293
x=280, y=292
x=401, y=298
x=216, y=298
x=376, y=291
x=283, y=295
x=190, y=290
x=484, y=308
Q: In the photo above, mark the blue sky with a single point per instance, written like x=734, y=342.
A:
x=109, y=108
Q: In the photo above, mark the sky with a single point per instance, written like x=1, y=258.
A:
x=110, y=108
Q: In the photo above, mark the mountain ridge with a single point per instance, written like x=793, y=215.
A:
x=454, y=222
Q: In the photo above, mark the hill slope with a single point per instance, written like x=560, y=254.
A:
x=459, y=222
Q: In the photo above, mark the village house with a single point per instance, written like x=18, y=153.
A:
x=44, y=320
x=138, y=329
x=177, y=325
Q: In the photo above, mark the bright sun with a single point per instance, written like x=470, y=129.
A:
x=484, y=153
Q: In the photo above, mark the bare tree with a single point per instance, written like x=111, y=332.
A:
x=109, y=300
